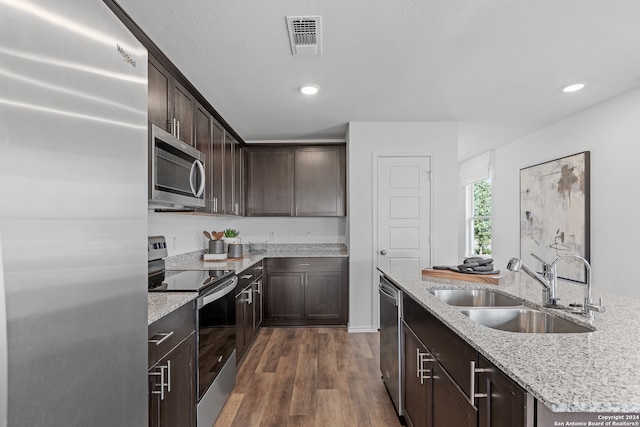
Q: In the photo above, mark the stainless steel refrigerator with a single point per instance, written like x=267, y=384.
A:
x=73, y=216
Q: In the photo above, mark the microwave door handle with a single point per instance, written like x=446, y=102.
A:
x=200, y=167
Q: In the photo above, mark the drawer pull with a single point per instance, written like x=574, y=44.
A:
x=259, y=268
x=165, y=336
x=246, y=276
x=304, y=264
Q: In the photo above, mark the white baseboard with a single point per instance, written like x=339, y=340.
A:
x=361, y=329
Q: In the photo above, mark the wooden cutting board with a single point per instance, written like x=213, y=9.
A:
x=492, y=279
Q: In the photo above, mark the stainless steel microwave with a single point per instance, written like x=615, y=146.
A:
x=176, y=173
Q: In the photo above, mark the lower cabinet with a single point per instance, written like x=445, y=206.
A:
x=172, y=369
x=447, y=383
x=507, y=404
x=417, y=386
x=248, y=307
x=306, y=291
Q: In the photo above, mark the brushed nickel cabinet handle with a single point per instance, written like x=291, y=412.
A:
x=165, y=336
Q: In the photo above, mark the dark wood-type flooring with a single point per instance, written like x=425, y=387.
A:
x=323, y=377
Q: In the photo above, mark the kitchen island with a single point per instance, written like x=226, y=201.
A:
x=593, y=372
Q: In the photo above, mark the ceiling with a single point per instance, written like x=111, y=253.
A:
x=494, y=66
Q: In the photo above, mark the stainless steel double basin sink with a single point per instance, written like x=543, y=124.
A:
x=498, y=311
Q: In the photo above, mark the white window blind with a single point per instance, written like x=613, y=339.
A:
x=475, y=169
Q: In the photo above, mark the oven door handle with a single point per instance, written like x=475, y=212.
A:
x=209, y=298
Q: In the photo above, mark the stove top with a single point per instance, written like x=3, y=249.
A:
x=187, y=280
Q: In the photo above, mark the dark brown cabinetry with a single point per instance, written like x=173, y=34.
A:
x=446, y=382
x=248, y=307
x=171, y=105
x=296, y=181
x=172, y=369
x=319, y=181
x=306, y=291
x=233, y=177
x=269, y=181
x=506, y=404
x=417, y=388
x=223, y=165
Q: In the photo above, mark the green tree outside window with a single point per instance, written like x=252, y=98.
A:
x=482, y=217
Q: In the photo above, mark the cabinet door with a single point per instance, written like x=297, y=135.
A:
x=177, y=407
x=451, y=406
x=238, y=179
x=323, y=297
x=319, y=181
x=416, y=385
x=227, y=181
x=158, y=95
x=285, y=300
x=183, y=112
x=269, y=181
x=218, y=167
x=204, y=144
x=507, y=404
x=240, y=303
x=257, y=305
x=249, y=314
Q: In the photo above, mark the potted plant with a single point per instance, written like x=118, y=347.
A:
x=231, y=236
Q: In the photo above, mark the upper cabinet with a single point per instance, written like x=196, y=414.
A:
x=171, y=106
x=270, y=181
x=296, y=181
x=320, y=181
x=223, y=165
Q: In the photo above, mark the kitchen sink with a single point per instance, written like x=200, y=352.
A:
x=474, y=298
x=523, y=319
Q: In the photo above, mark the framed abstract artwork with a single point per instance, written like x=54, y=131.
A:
x=554, y=214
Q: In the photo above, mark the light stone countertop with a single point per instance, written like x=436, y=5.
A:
x=570, y=372
x=163, y=303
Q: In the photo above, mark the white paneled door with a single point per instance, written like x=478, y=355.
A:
x=403, y=212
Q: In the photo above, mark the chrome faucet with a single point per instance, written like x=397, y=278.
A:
x=588, y=307
x=548, y=279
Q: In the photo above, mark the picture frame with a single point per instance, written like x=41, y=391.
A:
x=555, y=214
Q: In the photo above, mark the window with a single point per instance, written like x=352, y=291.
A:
x=478, y=214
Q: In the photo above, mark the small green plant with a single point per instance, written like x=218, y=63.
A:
x=230, y=232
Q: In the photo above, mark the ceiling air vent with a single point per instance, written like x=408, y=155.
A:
x=305, y=34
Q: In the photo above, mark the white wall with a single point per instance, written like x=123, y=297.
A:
x=440, y=141
x=611, y=131
x=184, y=231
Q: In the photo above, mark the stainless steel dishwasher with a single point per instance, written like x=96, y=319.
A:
x=391, y=340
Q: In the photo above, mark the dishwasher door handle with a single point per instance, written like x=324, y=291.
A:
x=392, y=299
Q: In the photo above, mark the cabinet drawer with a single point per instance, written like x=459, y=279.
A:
x=170, y=330
x=248, y=276
x=453, y=353
x=303, y=265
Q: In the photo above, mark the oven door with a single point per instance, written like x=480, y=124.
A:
x=216, y=332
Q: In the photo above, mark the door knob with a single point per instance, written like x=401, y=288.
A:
x=383, y=252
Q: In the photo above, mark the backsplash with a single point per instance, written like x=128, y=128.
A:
x=183, y=232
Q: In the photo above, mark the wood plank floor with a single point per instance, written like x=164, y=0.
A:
x=322, y=377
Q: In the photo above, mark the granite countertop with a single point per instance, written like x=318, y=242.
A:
x=163, y=303
x=573, y=372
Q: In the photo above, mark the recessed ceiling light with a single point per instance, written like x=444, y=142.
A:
x=309, y=89
x=573, y=87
